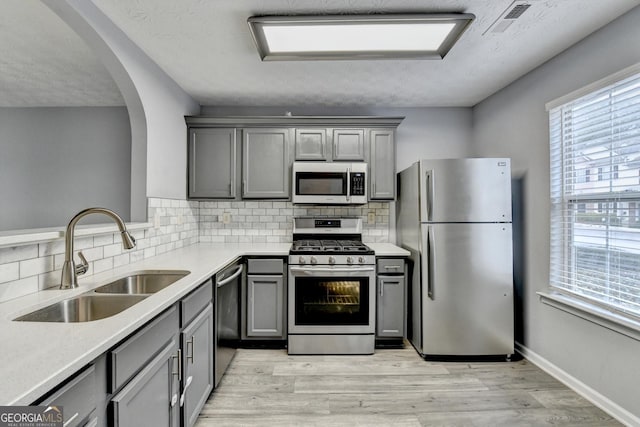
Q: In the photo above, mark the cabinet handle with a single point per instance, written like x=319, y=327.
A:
x=71, y=419
x=178, y=358
x=381, y=287
x=184, y=390
x=244, y=187
x=192, y=342
x=391, y=267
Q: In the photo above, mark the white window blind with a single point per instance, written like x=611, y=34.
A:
x=595, y=196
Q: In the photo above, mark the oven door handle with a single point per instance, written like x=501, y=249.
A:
x=352, y=271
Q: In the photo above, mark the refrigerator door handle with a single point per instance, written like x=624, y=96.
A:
x=430, y=189
x=431, y=261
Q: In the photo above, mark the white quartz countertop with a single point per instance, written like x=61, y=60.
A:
x=37, y=356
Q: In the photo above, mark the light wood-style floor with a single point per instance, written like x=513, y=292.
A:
x=390, y=388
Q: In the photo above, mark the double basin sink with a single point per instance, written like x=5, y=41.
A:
x=106, y=300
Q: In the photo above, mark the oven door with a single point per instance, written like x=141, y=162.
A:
x=331, y=300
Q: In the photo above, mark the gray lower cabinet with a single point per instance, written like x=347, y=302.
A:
x=382, y=165
x=212, y=163
x=77, y=398
x=348, y=145
x=264, y=304
x=266, y=163
x=391, y=313
x=197, y=365
x=151, y=397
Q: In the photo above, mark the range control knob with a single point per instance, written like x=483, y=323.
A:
x=332, y=260
x=313, y=260
x=349, y=260
x=301, y=260
x=361, y=259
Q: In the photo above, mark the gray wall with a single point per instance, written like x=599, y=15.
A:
x=514, y=123
x=56, y=161
x=424, y=133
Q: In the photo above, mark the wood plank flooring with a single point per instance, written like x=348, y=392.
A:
x=390, y=388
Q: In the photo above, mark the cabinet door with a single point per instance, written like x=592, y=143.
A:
x=212, y=163
x=265, y=305
x=348, y=144
x=151, y=397
x=310, y=144
x=197, y=362
x=382, y=165
x=266, y=163
x=390, y=322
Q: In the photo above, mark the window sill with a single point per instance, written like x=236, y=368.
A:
x=39, y=235
x=594, y=313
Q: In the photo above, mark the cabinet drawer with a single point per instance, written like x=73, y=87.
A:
x=132, y=355
x=195, y=302
x=265, y=266
x=390, y=266
x=77, y=397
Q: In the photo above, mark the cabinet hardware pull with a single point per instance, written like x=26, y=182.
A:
x=391, y=267
x=381, y=287
x=71, y=419
x=192, y=342
x=178, y=358
x=184, y=390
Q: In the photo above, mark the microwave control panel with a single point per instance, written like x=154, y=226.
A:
x=357, y=183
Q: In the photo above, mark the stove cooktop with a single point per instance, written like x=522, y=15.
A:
x=307, y=246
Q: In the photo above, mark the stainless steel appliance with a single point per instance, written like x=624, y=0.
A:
x=227, y=329
x=454, y=216
x=331, y=291
x=336, y=183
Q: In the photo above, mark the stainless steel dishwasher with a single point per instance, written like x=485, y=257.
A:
x=227, y=329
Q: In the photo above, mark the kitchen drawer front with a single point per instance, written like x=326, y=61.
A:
x=132, y=355
x=195, y=302
x=77, y=398
x=265, y=266
x=391, y=266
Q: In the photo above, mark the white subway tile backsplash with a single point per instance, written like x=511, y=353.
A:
x=9, y=272
x=26, y=269
x=18, y=253
x=35, y=266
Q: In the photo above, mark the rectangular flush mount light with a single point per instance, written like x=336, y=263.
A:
x=330, y=37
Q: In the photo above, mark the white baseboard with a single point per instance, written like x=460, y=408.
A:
x=602, y=402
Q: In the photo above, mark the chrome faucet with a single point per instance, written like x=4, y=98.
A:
x=71, y=271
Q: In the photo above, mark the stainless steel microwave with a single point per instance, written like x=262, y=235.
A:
x=329, y=183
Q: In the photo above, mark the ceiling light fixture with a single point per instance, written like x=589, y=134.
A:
x=331, y=37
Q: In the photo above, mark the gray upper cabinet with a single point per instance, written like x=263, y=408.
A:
x=348, y=145
x=266, y=163
x=212, y=163
x=311, y=144
x=382, y=165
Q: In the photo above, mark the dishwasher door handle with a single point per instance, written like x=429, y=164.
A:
x=230, y=278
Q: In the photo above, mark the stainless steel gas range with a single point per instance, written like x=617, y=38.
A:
x=331, y=288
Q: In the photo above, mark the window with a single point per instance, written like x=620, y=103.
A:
x=595, y=232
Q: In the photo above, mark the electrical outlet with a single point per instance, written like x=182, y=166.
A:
x=371, y=218
x=226, y=218
x=180, y=219
x=156, y=220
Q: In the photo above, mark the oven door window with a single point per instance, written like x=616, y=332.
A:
x=331, y=301
x=321, y=184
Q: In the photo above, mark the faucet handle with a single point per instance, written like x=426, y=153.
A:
x=83, y=266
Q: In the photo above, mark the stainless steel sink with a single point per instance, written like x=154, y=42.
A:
x=145, y=282
x=83, y=308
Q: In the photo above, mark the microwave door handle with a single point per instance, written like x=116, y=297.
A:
x=348, y=185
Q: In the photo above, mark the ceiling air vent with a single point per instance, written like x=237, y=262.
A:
x=506, y=18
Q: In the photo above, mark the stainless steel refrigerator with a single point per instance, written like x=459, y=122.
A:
x=454, y=216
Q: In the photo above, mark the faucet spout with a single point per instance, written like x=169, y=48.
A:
x=70, y=271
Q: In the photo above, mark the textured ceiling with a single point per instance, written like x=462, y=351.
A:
x=205, y=46
x=44, y=63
